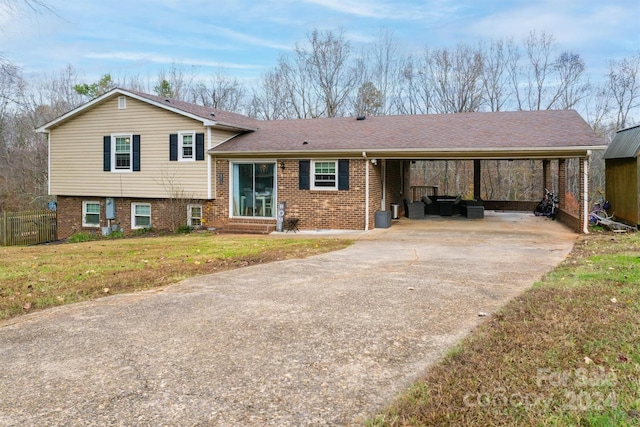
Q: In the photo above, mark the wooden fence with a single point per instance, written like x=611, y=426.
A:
x=28, y=228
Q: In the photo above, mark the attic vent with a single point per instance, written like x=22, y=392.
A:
x=122, y=102
x=305, y=143
x=213, y=114
x=167, y=100
x=361, y=117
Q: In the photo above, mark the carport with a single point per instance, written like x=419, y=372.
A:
x=550, y=139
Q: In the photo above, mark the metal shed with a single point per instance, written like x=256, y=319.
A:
x=623, y=174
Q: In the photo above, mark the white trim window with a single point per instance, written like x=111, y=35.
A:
x=187, y=146
x=324, y=175
x=253, y=189
x=122, y=159
x=90, y=214
x=140, y=215
x=194, y=216
x=122, y=103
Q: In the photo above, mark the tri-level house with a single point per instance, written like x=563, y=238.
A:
x=132, y=160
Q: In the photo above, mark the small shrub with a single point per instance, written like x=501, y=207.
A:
x=116, y=234
x=142, y=231
x=184, y=229
x=82, y=237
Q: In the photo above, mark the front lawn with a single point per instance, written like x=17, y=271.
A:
x=565, y=353
x=37, y=277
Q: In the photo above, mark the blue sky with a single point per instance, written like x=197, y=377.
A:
x=245, y=38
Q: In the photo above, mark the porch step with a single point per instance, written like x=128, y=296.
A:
x=248, y=228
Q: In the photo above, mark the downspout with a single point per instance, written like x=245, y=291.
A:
x=383, y=169
x=48, y=164
x=585, y=194
x=209, y=187
x=366, y=192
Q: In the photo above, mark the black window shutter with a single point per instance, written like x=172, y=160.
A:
x=303, y=174
x=136, y=153
x=199, y=146
x=106, y=153
x=173, y=147
x=343, y=174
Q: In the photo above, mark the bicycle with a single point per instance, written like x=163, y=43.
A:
x=599, y=212
x=548, y=206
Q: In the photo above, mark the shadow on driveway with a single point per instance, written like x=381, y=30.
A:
x=327, y=340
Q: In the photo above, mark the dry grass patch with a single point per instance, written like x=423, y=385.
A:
x=565, y=353
x=37, y=277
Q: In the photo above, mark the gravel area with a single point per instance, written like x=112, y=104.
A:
x=324, y=341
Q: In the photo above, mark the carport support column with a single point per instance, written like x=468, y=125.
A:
x=477, y=178
x=546, y=174
x=562, y=183
x=584, y=193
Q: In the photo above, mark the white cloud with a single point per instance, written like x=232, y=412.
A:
x=245, y=38
x=391, y=10
x=162, y=59
x=571, y=23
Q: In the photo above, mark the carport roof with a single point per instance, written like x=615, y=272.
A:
x=516, y=134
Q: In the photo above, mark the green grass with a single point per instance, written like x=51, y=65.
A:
x=37, y=277
x=564, y=353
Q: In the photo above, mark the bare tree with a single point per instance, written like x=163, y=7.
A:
x=36, y=6
x=221, y=92
x=269, y=99
x=327, y=63
x=496, y=73
x=538, y=48
x=382, y=65
x=177, y=82
x=624, y=88
x=456, y=79
x=559, y=83
x=572, y=85
x=413, y=93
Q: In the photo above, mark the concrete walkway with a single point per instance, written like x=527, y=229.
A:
x=323, y=341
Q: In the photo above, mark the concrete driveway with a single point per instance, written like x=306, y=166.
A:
x=323, y=341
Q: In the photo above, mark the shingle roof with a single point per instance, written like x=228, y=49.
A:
x=625, y=144
x=209, y=116
x=207, y=113
x=519, y=130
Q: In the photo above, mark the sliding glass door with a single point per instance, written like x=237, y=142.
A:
x=253, y=189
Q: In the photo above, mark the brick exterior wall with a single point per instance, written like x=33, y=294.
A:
x=394, y=184
x=316, y=209
x=166, y=214
x=510, y=205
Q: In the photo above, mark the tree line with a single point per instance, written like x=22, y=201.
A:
x=326, y=76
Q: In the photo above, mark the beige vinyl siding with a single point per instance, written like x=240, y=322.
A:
x=76, y=153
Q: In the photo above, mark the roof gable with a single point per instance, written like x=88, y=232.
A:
x=625, y=144
x=208, y=116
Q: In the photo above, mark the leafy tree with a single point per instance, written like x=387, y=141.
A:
x=369, y=100
x=94, y=90
x=163, y=89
